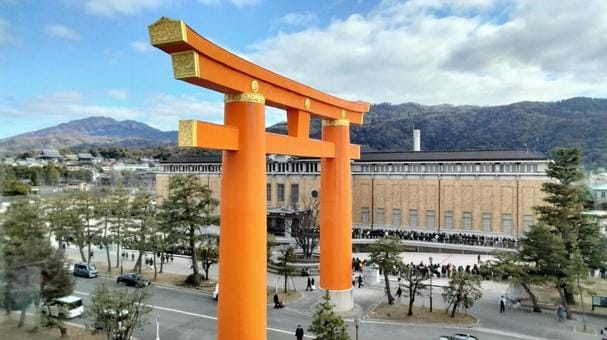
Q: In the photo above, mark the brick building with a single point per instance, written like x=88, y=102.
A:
x=486, y=192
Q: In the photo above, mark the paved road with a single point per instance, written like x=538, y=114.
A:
x=191, y=315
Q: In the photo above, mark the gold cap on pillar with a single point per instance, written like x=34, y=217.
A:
x=188, y=135
x=167, y=31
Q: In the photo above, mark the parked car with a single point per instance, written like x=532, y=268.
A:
x=132, y=279
x=458, y=336
x=85, y=269
x=66, y=307
x=216, y=292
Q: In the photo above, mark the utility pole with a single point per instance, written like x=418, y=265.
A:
x=431, y=274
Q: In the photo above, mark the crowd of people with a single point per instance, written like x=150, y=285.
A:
x=149, y=261
x=437, y=270
x=442, y=237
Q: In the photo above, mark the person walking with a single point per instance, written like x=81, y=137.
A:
x=313, y=286
x=309, y=285
x=502, y=304
x=360, y=281
x=299, y=332
x=399, y=293
x=560, y=313
x=277, y=303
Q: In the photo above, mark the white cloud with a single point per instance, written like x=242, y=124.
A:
x=113, y=8
x=61, y=32
x=5, y=35
x=141, y=46
x=119, y=94
x=162, y=111
x=63, y=106
x=298, y=19
x=236, y=3
x=459, y=52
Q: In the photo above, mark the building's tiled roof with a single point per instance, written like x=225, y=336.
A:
x=421, y=156
x=85, y=155
x=192, y=159
x=50, y=153
x=451, y=156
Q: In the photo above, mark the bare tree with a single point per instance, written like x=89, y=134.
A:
x=307, y=233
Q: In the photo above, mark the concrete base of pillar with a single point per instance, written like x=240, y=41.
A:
x=342, y=300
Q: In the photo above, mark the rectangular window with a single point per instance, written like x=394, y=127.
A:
x=527, y=221
x=602, y=194
x=430, y=219
x=486, y=222
x=380, y=216
x=413, y=218
x=364, y=215
x=268, y=192
x=506, y=223
x=467, y=221
x=396, y=217
x=281, y=192
x=448, y=219
x=294, y=193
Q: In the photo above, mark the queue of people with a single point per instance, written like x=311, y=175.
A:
x=442, y=237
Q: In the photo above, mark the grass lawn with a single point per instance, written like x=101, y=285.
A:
x=422, y=315
x=549, y=296
x=9, y=330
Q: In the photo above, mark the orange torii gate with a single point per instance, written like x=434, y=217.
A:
x=248, y=88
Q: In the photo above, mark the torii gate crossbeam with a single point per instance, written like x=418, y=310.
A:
x=248, y=88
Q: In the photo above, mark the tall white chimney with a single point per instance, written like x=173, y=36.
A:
x=417, y=140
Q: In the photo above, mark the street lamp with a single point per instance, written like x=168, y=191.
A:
x=356, y=325
x=431, y=270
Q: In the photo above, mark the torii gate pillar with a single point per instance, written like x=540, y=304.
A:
x=336, y=217
x=242, y=252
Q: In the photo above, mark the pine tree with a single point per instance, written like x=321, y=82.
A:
x=25, y=252
x=142, y=225
x=188, y=207
x=208, y=252
x=414, y=279
x=385, y=253
x=562, y=214
x=119, y=312
x=56, y=282
x=326, y=324
x=463, y=290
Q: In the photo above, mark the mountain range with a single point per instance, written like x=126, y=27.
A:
x=90, y=133
x=536, y=126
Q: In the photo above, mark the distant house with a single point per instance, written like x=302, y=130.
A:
x=599, y=193
x=74, y=185
x=85, y=158
x=50, y=155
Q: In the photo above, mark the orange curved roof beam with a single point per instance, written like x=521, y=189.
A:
x=198, y=61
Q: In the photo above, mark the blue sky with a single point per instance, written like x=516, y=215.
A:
x=69, y=59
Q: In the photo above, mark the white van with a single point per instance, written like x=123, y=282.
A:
x=67, y=307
